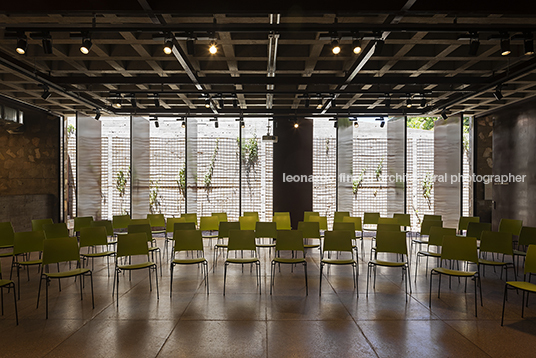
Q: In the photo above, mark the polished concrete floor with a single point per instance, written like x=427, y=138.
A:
x=286, y=324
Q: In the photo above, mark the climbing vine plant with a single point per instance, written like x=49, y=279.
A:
x=210, y=171
x=154, y=201
x=427, y=185
x=250, y=156
x=357, y=183
x=379, y=169
x=121, y=181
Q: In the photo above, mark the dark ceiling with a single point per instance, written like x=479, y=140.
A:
x=268, y=62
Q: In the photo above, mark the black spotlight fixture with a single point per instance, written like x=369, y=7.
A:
x=86, y=45
x=117, y=103
x=156, y=124
x=46, y=92
x=505, y=45
x=183, y=125
x=242, y=124
x=378, y=49
x=387, y=101
x=46, y=42
x=207, y=102
x=307, y=102
x=22, y=45
x=336, y=124
x=97, y=114
x=423, y=101
x=382, y=124
x=408, y=103
x=133, y=101
x=156, y=100
x=235, y=102
x=528, y=43
x=498, y=93
x=474, y=44
x=335, y=47
x=357, y=46
x=444, y=114
x=168, y=47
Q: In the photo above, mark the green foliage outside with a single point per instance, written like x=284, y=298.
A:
x=210, y=171
x=121, y=182
x=357, y=183
x=154, y=202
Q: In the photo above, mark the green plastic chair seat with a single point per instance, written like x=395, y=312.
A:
x=31, y=262
x=99, y=254
x=265, y=245
x=520, y=253
x=418, y=241
x=522, y=285
x=64, y=274
x=6, y=246
x=387, y=263
x=5, y=283
x=211, y=236
x=7, y=254
x=449, y=272
x=492, y=263
x=158, y=231
x=338, y=262
x=242, y=260
x=288, y=261
x=310, y=246
x=221, y=245
x=429, y=254
x=137, y=266
x=197, y=260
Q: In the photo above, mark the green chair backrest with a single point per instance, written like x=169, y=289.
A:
x=530, y=260
x=391, y=242
x=247, y=222
x=225, y=226
x=209, y=223
x=266, y=230
x=338, y=240
x=459, y=248
x=60, y=250
x=344, y=226
x=241, y=240
x=339, y=215
x=132, y=244
x=93, y=236
x=432, y=217
x=388, y=227
x=28, y=241
x=7, y=234
x=370, y=218
x=82, y=221
x=392, y=221
x=282, y=213
x=190, y=218
x=511, y=226
x=435, y=236
x=527, y=235
x=308, y=214
x=356, y=220
x=139, y=222
x=188, y=240
x=322, y=221
x=156, y=220
x=499, y=242
x=221, y=216
x=427, y=224
x=465, y=220
x=106, y=224
x=120, y=221
x=290, y=240
x=183, y=226
x=170, y=224
x=252, y=213
x=403, y=219
x=309, y=229
x=54, y=231
x=38, y=224
x=282, y=221
x=475, y=229
x=141, y=228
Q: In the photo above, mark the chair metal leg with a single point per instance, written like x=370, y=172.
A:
x=156, y=279
x=504, y=303
x=171, y=281
x=320, y=287
x=306, y=285
x=224, y=276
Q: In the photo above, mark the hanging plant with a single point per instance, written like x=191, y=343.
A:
x=357, y=183
x=379, y=170
x=427, y=186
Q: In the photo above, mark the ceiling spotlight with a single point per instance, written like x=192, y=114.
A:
x=379, y=47
x=474, y=44
x=242, y=124
x=444, y=114
x=47, y=44
x=46, y=93
x=213, y=49
x=356, y=124
x=335, y=124
x=216, y=124
x=423, y=102
x=235, y=103
x=333, y=103
x=296, y=124
x=207, y=102
x=319, y=105
x=505, y=46
x=382, y=124
x=117, y=103
x=156, y=124
x=97, y=114
x=498, y=93
x=335, y=48
x=86, y=45
x=133, y=101
x=22, y=45
x=408, y=103
x=168, y=47
x=529, y=44
x=183, y=125
x=156, y=100
x=357, y=46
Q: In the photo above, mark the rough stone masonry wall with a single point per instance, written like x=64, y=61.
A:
x=29, y=171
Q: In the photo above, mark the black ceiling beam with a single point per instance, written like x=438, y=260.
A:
x=263, y=80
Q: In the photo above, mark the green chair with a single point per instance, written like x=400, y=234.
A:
x=525, y=285
x=431, y=217
x=435, y=238
x=392, y=221
x=403, y=219
x=94, y=238
x=344, y=226
x=209, y=224
x=157, y=222
x=338, y=216
x=289, y=240
x=82, y=221
x=37, y=225
x=242, y=240
x=393, y=242
x=307, y=215
x=223, y=234
x=24, y=244
x=338, y=242
x=55, y=231
x=130, y=245
x=188, y=240
x=475, y=229
x=458, y=249
x=511, y=226
x=190, y=218
x=9, y=285
x=170, y=228
x=252, y=213
x=120, y=222
x=265, y=230
x=59, y=250
x=282, y=221
x=322, y=222
x=527, y=237
x=425, y=230
x=107, y=224
x=309, y=230
x=370, y=218
x=247, y=222
x=7, y=237
x=380, y=227
x=497, y=243
x=139, y=222
x=221, y=216
x=464, y=222
x=146, y=228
